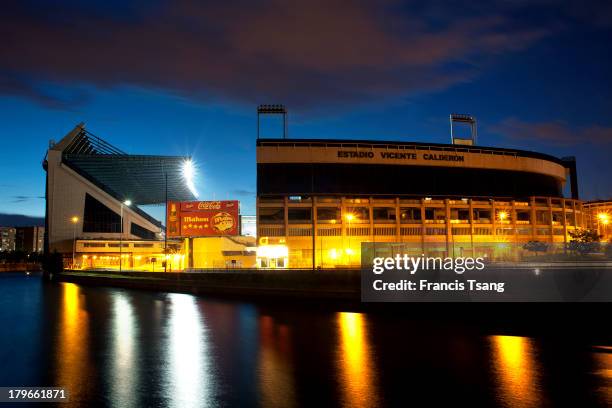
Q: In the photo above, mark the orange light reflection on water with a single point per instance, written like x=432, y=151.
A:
x=603, y=363
x=516, y=370
x=73, y=340
x=357, y=369
x=275, y=373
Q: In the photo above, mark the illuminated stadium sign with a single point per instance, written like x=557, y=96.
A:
x=203, y=218
x=351, y=154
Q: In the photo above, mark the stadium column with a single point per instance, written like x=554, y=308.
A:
x=471, y=218
x=532, y=216
x=313, y=216
x=423, y=225
x=398, y=231
x=513, y=221
x=550, y=219
x=564, y=220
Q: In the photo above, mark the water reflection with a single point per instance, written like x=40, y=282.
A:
x=72, y=355
x=275, y=373
x=603, y=362
x=357, y=372
x=190, y=381
x=516, y=371
x=124, y=373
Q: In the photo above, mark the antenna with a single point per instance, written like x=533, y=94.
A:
x=461, y=118
x=273, y=110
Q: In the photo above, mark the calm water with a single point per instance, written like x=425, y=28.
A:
x=123, y=348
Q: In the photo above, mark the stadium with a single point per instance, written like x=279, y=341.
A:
x=318, y=200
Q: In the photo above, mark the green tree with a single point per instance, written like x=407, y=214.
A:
x=584, y=241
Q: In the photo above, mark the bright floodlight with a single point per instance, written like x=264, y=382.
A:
x=127, y=202
x=75, y=220
x=189, y=174
x=604, y=218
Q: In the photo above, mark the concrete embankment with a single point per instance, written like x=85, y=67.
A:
x=327, y=284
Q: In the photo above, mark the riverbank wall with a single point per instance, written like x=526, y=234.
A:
x=338, y=284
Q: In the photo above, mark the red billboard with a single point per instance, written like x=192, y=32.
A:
x=202, y=218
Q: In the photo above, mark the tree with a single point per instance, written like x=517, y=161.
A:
x=584, y=241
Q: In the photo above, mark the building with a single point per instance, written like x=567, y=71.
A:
x=30, y=239
x=599, y=216
x=248, y=225
x=7, y=239
x=93, y=194
x=318, y=200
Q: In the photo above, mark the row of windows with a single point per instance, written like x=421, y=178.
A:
x=414, y=231
x=360, y=215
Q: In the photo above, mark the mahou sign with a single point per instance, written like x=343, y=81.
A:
x=202, y=218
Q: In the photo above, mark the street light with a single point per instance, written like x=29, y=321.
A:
x=502, y=215
x=127, y=203
x=74, y=221
x=603, y=219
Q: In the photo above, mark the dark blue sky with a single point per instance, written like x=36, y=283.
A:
x=185, y=78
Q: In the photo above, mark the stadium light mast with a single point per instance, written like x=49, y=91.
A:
x=462, y=118
x=273, y=110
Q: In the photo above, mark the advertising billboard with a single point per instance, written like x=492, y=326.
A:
x=203, y=218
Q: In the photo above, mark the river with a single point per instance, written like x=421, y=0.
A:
x=127, y=348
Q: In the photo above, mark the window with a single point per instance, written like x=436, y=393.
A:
x=99, y=218
x=543, y=217
x=141, y=232
x=482, y=216
x=522, y=216
x=299, y=215
x=437, y=214
x=410, y=215
x=271, y=215
x=384, y=214
x=328, y=215
x=460, y=214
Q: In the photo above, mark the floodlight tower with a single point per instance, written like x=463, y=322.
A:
x=461, y=118
x=273, y=110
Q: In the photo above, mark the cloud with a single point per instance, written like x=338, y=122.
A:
x=558, y=133
x=243, y=193
x=304, y=53
x=22, y=198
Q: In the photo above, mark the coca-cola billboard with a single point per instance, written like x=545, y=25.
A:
x=203, y=218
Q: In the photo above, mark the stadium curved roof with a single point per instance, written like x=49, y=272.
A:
x=139, y=178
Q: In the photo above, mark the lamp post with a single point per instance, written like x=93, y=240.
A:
x=74, y=221
x=127, y=203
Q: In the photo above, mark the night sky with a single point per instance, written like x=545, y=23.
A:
x=185, y=77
